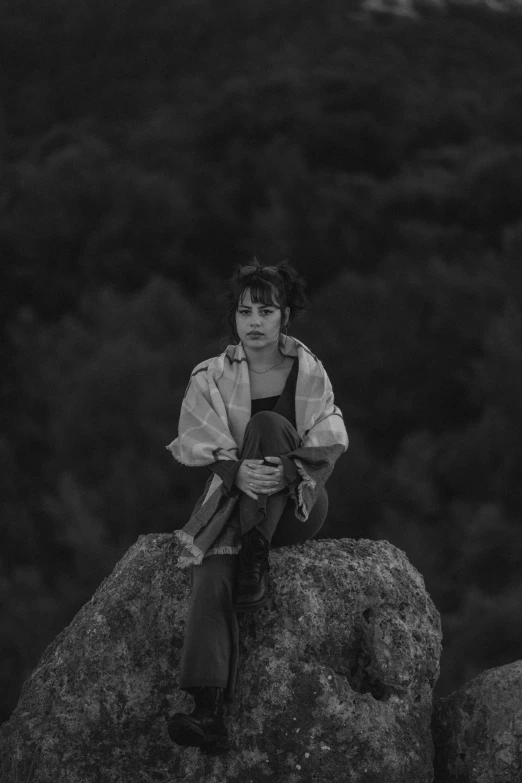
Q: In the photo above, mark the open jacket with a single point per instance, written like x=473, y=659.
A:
x=214, y=413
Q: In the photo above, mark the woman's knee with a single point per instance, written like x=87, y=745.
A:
x=267, y=420
x=272, y=430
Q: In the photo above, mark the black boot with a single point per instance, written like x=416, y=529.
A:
x=205, y=726
x=252, y=582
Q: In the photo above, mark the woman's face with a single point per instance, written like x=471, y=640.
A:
x=258, y=325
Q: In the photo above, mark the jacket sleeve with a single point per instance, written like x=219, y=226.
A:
x=292, y=475
x=227, y=470
x=314, y=465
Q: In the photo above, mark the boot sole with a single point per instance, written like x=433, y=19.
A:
x=185, y=733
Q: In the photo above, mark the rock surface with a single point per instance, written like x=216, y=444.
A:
x=335, y=679
x=477, y=730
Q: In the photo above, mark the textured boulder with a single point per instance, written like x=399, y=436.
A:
x=335, y=679
x=477, y=730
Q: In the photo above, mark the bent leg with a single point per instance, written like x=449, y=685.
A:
x=268, y=434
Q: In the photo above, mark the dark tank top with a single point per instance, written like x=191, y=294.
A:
x=283, y=403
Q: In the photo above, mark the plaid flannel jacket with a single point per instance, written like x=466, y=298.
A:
x=214, y=414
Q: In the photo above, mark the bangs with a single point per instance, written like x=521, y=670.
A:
x=261, y=292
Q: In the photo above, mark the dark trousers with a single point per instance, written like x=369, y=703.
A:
x=210, y=647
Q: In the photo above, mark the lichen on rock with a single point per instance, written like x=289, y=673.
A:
x=335, y=677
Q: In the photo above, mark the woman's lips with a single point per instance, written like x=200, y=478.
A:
x=255, y=334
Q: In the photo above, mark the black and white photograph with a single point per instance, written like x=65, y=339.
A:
x=261, y=391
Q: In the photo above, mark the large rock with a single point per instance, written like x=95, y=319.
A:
x=478, y=729
x=335, y=680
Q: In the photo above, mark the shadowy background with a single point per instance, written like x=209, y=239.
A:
x=147, y=146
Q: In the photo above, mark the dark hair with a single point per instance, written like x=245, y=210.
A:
x=279, y=285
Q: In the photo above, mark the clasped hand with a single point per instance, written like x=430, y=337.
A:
x=253, y=477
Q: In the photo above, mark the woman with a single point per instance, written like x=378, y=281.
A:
x=262, y=417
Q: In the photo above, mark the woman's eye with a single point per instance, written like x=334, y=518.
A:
x=263, y=312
